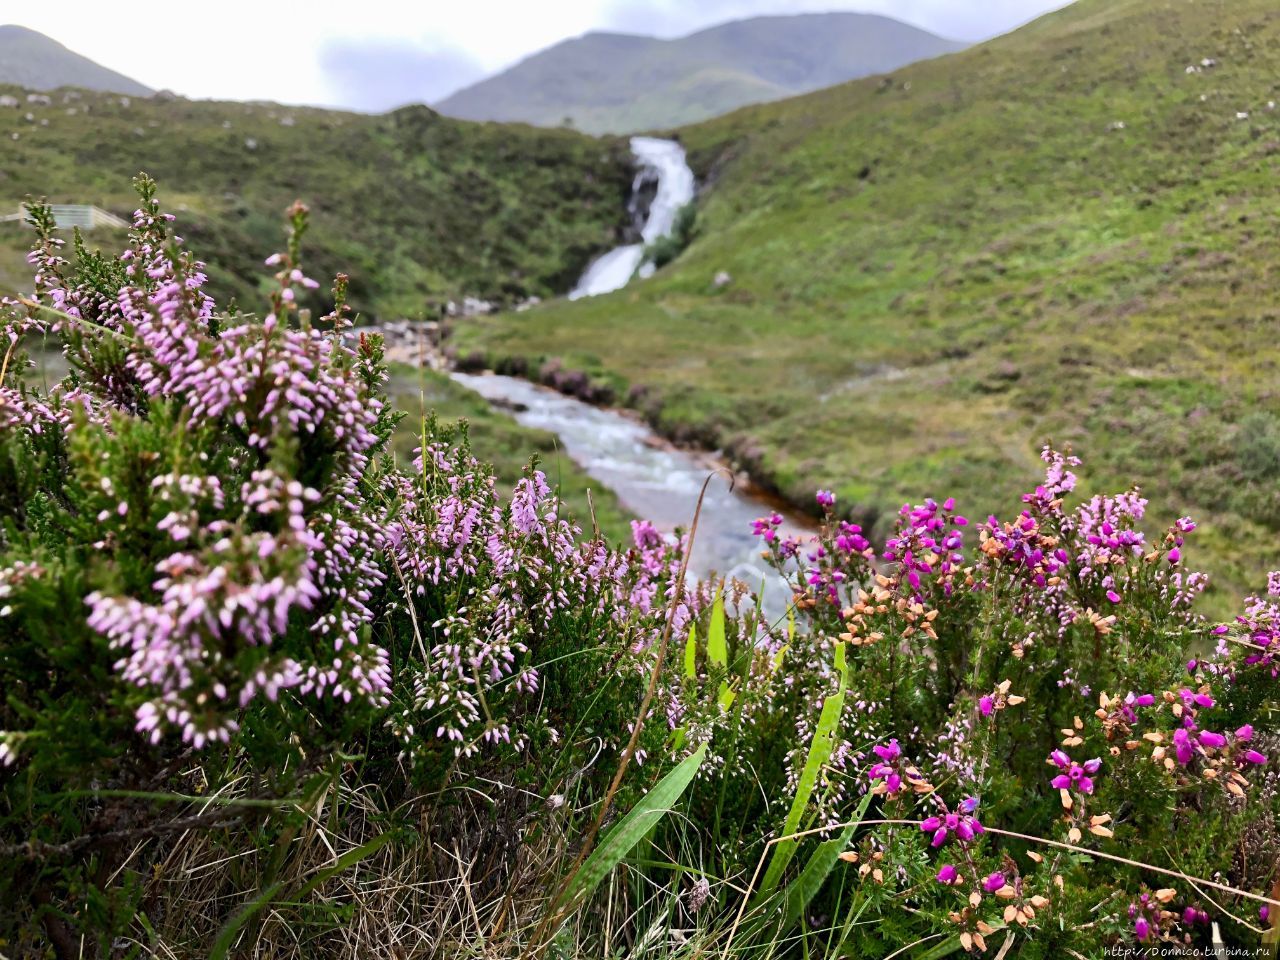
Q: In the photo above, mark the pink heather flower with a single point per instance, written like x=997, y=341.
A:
x=1191, y=698
x=993, y=882
x=1174, y=556
x=1188, y=738
x=1113, y=596
x=1078, y=776
x=962, y=825
x=886, y=770
x=888, y=752
x=1141, y=928
x=1183, y=746
x=949, y=875
x=1264, y=913
x=1214, y=740
x=826, y=498
x=986, y=705
x=1245, y=732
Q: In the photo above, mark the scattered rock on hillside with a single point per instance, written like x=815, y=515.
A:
x=470, y=307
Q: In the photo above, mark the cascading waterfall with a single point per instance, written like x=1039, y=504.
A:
x=661, y=160
x=652, y=479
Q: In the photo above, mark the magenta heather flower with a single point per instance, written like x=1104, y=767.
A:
x=826, y=498
x=1078, y=777
x=1244, y=754
x=926, y=546
x=886, y=770
x=948, y=874
x=961, y=825
x=767, y=527
x=993, y=882
x=1192, y=915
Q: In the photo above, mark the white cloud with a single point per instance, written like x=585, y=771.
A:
x=380, y=74
x=337, y=52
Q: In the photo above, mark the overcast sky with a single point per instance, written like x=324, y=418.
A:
x=375, y=54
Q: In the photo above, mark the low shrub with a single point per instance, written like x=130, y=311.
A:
x=268, y=690
x=673, y=243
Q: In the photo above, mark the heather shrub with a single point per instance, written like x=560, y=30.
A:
x=1019, y=727
x=214, y=574
x=267, y=689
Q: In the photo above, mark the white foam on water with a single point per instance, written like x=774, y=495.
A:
x=665, y=161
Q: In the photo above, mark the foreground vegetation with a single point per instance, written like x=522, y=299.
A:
x=268, y=692
x=501, y=443
x=1067, y=233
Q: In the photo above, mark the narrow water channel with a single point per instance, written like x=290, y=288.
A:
x=651, y=478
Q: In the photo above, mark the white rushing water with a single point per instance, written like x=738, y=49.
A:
x=664, y=161
x=651, y=479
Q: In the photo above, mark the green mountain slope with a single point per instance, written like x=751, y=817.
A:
x=1061, y=234
x=30, y=59
x=416, y=207
x=610, y=82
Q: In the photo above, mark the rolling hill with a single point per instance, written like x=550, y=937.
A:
x=416, y=207
x=1065, y=234
x=615, y=83
x=30, y=59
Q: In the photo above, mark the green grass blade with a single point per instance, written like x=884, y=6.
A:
x=231, y=929
x=819, y=754
x=653, y=806
x=799, y=893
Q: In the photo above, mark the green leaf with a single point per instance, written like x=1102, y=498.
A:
x=949, y=946
x=653, y=806
x=717, y=649
x=799, y=893
x=819, y=753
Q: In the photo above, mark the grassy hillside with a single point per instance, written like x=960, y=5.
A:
x=610, y=82
x=416, y=207
x=1061, y=234
x=30, y=59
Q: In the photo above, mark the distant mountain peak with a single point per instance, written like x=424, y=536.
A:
x=30, y=59
x=607, y=82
